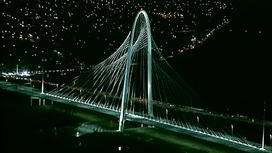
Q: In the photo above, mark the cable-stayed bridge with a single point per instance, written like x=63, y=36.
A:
x=136, y=83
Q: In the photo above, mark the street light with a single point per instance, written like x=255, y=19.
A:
x=42, y=92
x=263, y=128
x=231, y=129
x=17, y=69
x=270, y=139
x=166, y=112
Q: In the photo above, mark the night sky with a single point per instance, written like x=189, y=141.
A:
x=221, y=48
x=233, y=67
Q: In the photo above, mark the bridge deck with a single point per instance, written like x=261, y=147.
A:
x=137, y=118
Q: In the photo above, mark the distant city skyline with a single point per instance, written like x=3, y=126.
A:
x=42, y=32
x=215, y=45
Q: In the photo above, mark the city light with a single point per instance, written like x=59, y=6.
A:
x=193, y=61
x=25, y=73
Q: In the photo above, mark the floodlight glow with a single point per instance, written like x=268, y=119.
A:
x=25, y=73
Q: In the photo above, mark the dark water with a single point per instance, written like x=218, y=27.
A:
x=42, y=129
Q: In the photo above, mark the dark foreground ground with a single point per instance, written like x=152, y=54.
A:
x=62, y=128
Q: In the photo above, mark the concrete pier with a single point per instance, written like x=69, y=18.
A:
x=40, y=101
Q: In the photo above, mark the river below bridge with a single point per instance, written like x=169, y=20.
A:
x=63, y=128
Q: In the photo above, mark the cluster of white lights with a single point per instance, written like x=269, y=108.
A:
x=82, y=102
x=25, y=73
x=201, y=132
x=159, y=121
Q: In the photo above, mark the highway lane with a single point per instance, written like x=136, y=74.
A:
x=251, y=147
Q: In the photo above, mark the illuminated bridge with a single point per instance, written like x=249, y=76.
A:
x=136, y=83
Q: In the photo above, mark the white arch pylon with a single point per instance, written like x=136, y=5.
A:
x=149, y=71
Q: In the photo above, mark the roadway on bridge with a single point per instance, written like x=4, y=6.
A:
x=134, y=138
x=34, y=92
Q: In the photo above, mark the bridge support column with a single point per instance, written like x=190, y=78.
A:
x=36, y=98
x=43, y=101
